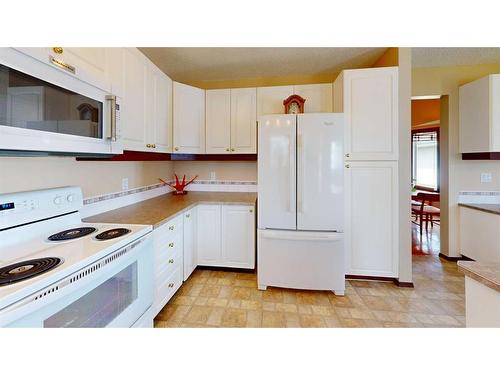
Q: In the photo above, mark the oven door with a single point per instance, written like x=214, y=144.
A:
x=46, y=110
x=112, y=292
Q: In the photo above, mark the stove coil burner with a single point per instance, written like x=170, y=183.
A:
x=112, y=233
x=71, y=234
x=27, y=269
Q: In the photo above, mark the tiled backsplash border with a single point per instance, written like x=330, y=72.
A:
x=106, y=202
x=479, y=197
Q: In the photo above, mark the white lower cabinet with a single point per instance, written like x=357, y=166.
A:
x=209, y=235
x=238, y=239
x=226, y=236
x=190, y=251
x=371, y=218
x=168, y=250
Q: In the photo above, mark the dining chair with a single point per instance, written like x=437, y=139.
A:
x=425, y=211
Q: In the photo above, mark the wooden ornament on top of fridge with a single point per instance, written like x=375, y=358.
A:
x=294, y=104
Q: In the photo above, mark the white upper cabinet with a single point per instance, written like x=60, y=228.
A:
x=370, y=105
x=244, y=121
x=189, y=119
x=146, y=102
x=318, y=97
x=270, y=99
x=89, y=64
x=218, y=121
x=162, y=113
x=133, y=114
x=231, y=125
x=479, y=115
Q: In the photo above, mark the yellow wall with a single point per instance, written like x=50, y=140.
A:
x=266, y=81
x=389, y=58
x=461, y=175
x=95, y=177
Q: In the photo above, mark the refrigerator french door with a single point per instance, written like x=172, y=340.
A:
x=301, y=172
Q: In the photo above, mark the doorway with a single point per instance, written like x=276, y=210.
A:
x=426, y=171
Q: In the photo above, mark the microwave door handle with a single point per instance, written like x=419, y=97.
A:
x=112, y=105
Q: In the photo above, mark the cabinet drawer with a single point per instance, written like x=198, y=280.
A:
x=168, y=247
x=169, y=230
x=166, y=290
x=166, y=265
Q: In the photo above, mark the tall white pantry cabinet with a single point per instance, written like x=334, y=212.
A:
x=369, y=100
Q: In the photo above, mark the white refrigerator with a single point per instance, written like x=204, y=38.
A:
x=300, y=221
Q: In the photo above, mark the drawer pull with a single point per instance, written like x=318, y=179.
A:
x=188, y=215
x=171, y=244
x=171, y=285
x=171, y=227
x=170, y=261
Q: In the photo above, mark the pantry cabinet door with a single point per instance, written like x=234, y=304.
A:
x=318, y=97
x=162, y=114
x=238, y=236
x=218, y=121
x=189, y=119
x=135, y=81
x=371, y=218
x=371, y=113
x=209, y=235
x=270, y=99
x=190, y=251
x=244, y=121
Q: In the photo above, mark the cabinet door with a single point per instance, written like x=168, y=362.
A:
x=115, y=57
x=189, y=119
x=218, y=121
x=318, y=97
x=88, y=64
x=371, y=114
x=162, y=113
x=134, y=94
x=209, y=235
x=238, y=236
x=371, y=218
x=244, y=121
x=270, y=99
x=190, y=253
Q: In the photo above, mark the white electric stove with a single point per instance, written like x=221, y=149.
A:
x=56, y=271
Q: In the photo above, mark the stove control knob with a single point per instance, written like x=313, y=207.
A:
x=57, y=200
x=70, y=198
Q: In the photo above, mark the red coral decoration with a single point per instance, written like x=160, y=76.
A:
x=179, y=186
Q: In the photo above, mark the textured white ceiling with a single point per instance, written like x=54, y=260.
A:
x=226, y=64
x=427, y=57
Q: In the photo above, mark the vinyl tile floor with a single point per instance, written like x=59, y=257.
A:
x=231, y=299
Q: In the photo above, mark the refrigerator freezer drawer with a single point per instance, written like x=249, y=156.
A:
x=301, y=260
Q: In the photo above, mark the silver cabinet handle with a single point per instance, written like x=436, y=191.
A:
x=188, y=215
x=347, y=166
x=171, y=244
x=171, y=285
x=112, y=104
x=170, y=261
x=347, y=155
x=171, y=227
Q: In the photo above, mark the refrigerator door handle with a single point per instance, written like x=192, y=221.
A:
x=291, y=174
x=300, y=170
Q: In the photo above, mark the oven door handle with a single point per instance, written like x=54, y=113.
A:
x=112, y=105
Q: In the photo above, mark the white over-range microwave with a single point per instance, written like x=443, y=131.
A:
x=45, y=107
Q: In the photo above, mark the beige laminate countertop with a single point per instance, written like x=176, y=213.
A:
x=157, y=211
x=484, y=272
x=485, y=207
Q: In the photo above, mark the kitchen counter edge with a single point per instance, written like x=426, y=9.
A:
x=486, y=273
x=172, y=205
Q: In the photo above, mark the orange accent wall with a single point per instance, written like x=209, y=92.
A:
x=389, y=58
x=425, y=110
